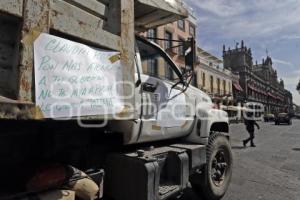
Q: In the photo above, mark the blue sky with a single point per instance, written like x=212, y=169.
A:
x=262, y=24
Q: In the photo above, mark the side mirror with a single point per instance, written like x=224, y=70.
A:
x=190, y=60
x=190, y=53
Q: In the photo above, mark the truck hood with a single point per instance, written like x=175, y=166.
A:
x=200, y=94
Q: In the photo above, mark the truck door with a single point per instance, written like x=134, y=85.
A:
x=164, y=106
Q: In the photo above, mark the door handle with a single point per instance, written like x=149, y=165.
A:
x=149, y=87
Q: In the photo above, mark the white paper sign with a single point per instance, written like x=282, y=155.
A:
x=72, y=79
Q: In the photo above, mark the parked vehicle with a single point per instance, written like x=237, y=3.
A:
x=283, y=118
x=269, y=117
x=68, y=67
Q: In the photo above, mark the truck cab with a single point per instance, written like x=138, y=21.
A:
x=167, y=137
x=169, y=106
x=182, y=117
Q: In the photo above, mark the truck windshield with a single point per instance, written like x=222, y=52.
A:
x=155, y=62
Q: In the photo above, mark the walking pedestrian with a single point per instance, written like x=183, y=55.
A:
x=250, y=123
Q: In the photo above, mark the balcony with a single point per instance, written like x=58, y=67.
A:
x=221, y=94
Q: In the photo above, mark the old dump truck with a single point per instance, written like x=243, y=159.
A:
x=80, y=117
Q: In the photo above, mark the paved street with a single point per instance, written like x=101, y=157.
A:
x=271, y=171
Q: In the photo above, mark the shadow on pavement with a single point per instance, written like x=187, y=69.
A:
x=280, y=125
x=238, y=147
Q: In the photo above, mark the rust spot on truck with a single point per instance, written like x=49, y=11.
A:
x=25, y=85
x=156, y=128
x=30, y=37
x=81, y=23
x=54, y=13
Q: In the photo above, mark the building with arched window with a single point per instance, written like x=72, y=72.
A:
x=213, y=79
x=259, y=82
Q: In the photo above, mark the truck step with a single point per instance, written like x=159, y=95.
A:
x=167, y=189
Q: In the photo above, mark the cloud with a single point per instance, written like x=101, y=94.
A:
x=258, y=18
x=283, y=62
x=271, y=24
x=291, y=82
x=207, y=46
x=291, y=37
x=221, y=8
x=291, y=79
x=296, y=97
x=291, y=85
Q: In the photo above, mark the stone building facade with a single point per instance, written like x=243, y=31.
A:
x=259, y=82
x=210, y=76
x=213, y=79
x=180, y=31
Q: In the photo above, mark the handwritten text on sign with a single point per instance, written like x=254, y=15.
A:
x=73, y=79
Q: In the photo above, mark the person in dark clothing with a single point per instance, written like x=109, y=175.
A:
x=250, y=123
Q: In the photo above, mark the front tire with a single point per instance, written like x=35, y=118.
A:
x=214, y=181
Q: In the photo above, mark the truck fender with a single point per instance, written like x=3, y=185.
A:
x=209, y=121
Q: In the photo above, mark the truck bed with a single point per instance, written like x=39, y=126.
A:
x=97, y=23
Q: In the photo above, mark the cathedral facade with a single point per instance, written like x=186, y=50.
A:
x=258, y=82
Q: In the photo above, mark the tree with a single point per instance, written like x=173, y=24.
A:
x=298, y=87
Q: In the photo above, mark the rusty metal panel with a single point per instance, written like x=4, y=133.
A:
x=153, y=13
x=106, y=23
x=74, y=20
x=127, y=51
x=14, y=7
x=36, y=17
x=175, y=7
x=113, y=22
x=92, y=6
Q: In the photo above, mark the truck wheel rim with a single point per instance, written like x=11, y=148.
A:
x=219, y=167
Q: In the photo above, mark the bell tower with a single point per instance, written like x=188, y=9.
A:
x=238, y=58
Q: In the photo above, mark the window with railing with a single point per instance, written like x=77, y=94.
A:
x=152, y=33
x=155, y=63
x=168, y=40
x=168, y=72
x=181, y=47
x=152, y=67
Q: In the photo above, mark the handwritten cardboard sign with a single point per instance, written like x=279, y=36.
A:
x=72, y=79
